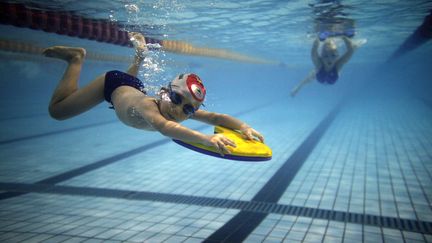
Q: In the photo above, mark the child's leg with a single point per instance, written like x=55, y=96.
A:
x=68, y=99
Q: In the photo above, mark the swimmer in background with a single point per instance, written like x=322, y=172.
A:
x=179, y=101
x=328, y=64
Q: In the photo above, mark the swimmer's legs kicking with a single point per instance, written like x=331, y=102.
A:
x=68, y=99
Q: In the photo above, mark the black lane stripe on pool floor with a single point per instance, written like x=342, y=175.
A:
x=87, y=168
x=242, y=224
x=248, y=208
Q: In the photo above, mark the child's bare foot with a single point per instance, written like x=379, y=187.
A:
x=139, y=43
x=69, y=54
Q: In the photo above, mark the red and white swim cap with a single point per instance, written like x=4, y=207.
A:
x=190, y=86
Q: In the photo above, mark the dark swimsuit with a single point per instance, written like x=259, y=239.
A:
x=115, y=79
x=329, y=77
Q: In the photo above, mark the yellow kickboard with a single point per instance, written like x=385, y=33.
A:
x=246, y=150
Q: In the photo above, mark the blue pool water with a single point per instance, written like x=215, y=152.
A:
x=352, y=162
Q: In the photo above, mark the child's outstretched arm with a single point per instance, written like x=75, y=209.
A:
x=309, y=78
x=314, y=54
x=228, y=121
x=348, y=54
x=177, y=131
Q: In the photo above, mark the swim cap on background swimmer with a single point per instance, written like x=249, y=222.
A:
x=190, y=86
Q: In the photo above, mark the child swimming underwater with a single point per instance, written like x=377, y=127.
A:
x=179, y=101
x=327, y=64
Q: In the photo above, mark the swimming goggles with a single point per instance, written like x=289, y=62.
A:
x=177, y=99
